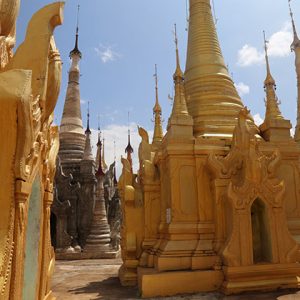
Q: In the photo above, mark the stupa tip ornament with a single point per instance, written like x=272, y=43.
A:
x=99, y=172
x=179, y=113
x=269, y=79
x=157, y=112
x=88, y=131
x=274, y=127
x=157, y=107
x=178, y=72
x=76, y=50
x=87, y=154
x=129, y=148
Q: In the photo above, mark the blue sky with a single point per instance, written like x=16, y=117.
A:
x=121, y=40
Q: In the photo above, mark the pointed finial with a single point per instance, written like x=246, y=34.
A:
x=99, y=132
x=156, y=77
x=296, y=41
x=76, y=50
x=77, y=27
x=88, y=119
x=187, y=15
x=269, y=79
x=156, y=108
x=272, y=103
x=115, y=167
x=178, y=75
x=129, y=148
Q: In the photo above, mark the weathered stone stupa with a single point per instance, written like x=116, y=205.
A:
x=98, y=242
x=214, y=205
x=77, y=215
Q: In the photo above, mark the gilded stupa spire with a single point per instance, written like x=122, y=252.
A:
x=272, y=108
x=179, y=105
x=158, y=131
x=87, y=154
x=211, y=96
x=295, y=46
x=180, y=123
x=274, y=127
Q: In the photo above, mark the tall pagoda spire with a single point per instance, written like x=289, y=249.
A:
x=274, y=127
x=72, y=138
x=180, y=122
x=87, y=155
x=272, y=109
x=179, y=106
x=129, y=149
x=158, y=131
x=212, y=98
x=295, y=46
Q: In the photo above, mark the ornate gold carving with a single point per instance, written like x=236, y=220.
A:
x=28, y=98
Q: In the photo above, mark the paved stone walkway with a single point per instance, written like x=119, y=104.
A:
x=97, y=280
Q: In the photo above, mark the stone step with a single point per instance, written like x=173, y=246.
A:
x=98, y=236
x=98, y=242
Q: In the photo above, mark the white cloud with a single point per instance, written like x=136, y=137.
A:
x=119, y=133
x=242, y=88
x=106, y=53
x=258, y=120
x=278, y=46
x=280, y=42
x=249, y=55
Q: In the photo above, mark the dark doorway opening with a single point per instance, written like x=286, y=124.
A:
x=53, y=222
x=261, y=236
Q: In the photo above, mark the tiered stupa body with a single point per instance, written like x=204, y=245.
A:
x=71, y=135
x=71, y=149
x=215, y=205
x=212, y=99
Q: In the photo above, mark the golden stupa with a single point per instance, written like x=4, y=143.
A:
x=215, y=204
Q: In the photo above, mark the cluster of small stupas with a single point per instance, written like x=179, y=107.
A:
x=85, y=189
x=215, y=203
x=214, y=206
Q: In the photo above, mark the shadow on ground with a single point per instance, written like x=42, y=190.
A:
x=112, y=290
x=109, y=288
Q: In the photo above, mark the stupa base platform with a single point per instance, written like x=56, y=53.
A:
x=261, y=277
x=87, y=255
x=153, y=284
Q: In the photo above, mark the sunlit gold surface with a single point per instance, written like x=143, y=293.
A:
x=29, y=88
